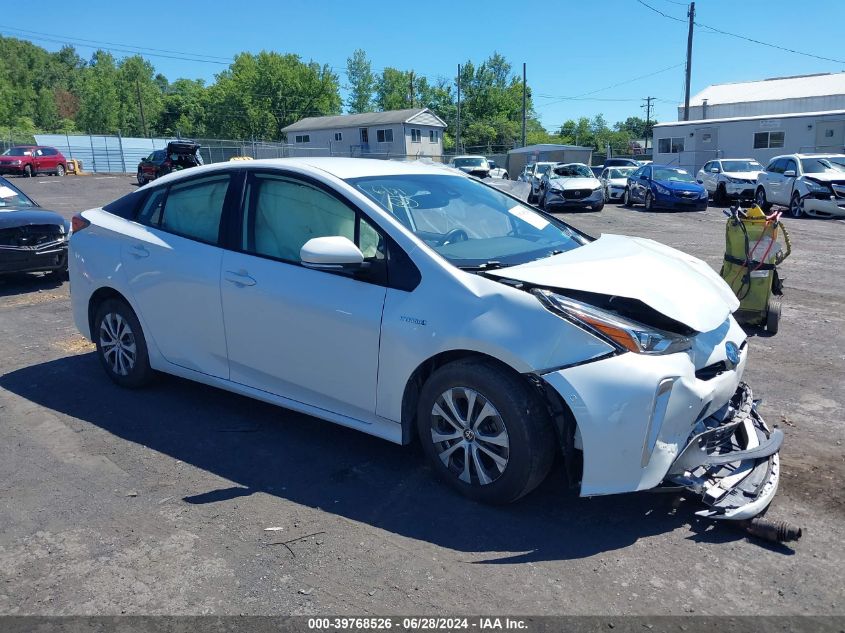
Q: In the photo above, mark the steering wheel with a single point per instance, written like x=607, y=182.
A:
x=455, y=235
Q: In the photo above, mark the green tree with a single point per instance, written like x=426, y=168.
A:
x=260, y=94
x=139, y=96
x=46, y=112
x=185, y=108
x=99, y=103
x=362, y=83
x=393, y=90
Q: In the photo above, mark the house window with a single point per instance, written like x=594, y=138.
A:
x=415, y=135
x=670, y=145
x=432, y=136
x=303, y=138
x=765, y=140
x=338, y=136
x=365, y=136
x=384, y=136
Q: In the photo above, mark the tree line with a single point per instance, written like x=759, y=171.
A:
x=259, y=94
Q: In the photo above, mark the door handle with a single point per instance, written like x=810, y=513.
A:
x=239, y=278
x=139, y=251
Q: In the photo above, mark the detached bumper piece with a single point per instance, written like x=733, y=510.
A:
x=731, y=461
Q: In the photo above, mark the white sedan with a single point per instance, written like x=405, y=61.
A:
x=405, y=301
x=614, y=180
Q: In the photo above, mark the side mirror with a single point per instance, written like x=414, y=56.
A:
x=789, y=173
x=714, y=170
x=331, y=253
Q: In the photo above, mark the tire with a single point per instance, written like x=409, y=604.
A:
x=598, y=207
x=505, y=176
x=796, y=206
x=720, y=198
x=27, y=171
x=542, y=203
x=773, y=315
x=60, y=170
x=760, y=199
x=626, y=198
x=129, y=365
x=60, y=274
x=525, y=440
x=142, y=179
x=649, y=201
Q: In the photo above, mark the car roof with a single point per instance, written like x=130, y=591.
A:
x=469, y=156
x=721, y=159
x=343, y=168
x=814, y=155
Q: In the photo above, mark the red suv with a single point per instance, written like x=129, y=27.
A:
x=28, y=160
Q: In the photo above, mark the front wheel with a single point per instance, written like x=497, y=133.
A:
x=760, y=199
x=796, y=206
x=720, y=198
x=485, y=431
x=121, y=345
x=598, y=207
x=626, y=198
x=27, y=171
x=649, y=202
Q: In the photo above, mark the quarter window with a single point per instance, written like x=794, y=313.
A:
x=765, y=140
x=384, y=136
x=283, y=214
x=193, y=209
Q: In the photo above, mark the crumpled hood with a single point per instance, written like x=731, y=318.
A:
x=12, y=218
x=675, y=284
x=826, y=176
x=574, y=183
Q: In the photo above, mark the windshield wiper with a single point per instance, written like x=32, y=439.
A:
x=488, y=265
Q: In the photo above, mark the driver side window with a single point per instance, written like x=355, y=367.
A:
x=282, y=214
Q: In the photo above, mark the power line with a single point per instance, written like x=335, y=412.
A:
x=744, y=37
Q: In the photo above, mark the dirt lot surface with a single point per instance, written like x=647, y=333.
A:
x=158, y=501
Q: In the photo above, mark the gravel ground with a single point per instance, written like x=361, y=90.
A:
x=158, y=501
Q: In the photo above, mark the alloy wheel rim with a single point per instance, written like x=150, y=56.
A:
x=797, y=208
x=469, y=435
x=117, y=344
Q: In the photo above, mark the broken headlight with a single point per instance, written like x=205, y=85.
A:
x=623, y=333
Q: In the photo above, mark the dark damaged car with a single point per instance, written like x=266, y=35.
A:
x=31, y=238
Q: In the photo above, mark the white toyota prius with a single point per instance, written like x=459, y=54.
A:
x=406, y=301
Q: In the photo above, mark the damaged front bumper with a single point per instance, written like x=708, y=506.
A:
x=731, y=461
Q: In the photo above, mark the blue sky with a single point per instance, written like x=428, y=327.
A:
x=571, y=47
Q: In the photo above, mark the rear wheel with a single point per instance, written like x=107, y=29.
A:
x=760, y=199
x=773, y=315
x=142, y=179
x=485, y=431
x=598, y=207
x=796, y=206
x=121, y=345
x=60, y=170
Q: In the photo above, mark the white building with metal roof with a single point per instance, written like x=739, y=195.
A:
x=412, y=133
x=779, y=95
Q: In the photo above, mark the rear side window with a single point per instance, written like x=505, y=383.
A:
x=193, y=209
x=127, y=206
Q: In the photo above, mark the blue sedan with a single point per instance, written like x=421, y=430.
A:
x=664, y=187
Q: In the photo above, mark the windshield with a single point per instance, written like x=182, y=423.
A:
x=470, y=162
x=573, y=170
x=11, y=196
x=18, y=151
x=823, y=165
x=543, y=169
x=741, y=165
x=620, y=172
x=468, y=223
x=673, y=175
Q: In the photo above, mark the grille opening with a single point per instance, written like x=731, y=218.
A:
x=30, y=235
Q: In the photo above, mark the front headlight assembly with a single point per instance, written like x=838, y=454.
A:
x=818, y=188
x=623, y=333
x=662, y=190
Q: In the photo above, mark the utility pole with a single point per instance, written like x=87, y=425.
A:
x=691, y=14
x=458, y=126
x=647, y=106
x=411, y=87
x=524, y=97
x=141, y=107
